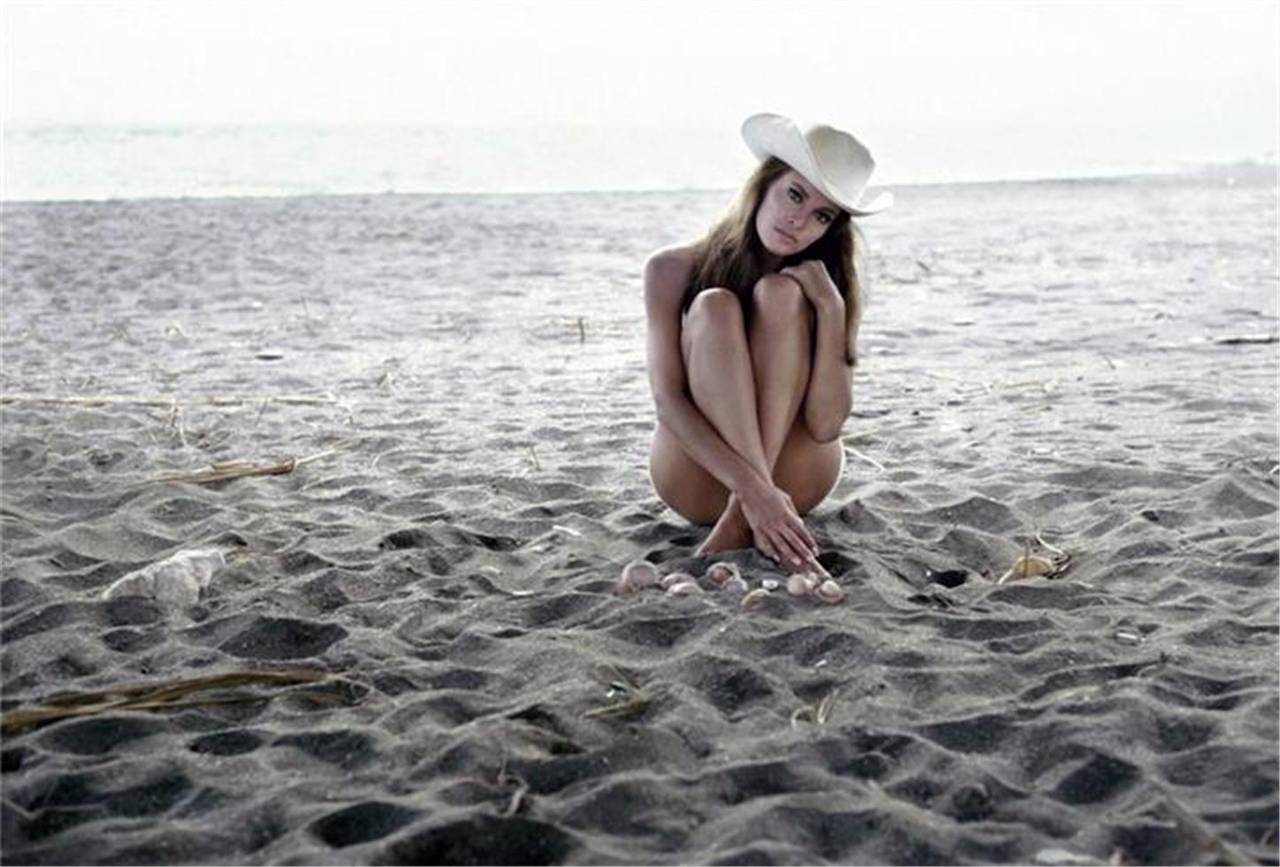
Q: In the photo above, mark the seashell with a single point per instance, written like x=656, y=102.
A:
x=735, y=585
x=801, y=584
x=681, y=587
x=754, y=598
x=175, y=581
x=830, y=592
x=721, y=574
x=1027, y=566
x=640, y=573
x=770, y=584
x=636, y=575
x=675, y=578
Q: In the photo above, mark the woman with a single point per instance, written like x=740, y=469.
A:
x=751, y=345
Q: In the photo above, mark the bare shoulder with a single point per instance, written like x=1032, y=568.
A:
x=668, y=270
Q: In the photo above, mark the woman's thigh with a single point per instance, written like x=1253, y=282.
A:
x=806, y=469
x=681, y=482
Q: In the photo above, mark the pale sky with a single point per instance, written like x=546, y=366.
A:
x=914, y=75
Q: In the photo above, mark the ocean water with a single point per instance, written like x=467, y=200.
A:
x=49, y=162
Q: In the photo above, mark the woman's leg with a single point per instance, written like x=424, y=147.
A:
x=721, y=381
x=781, y=351
x=750, y=387
x=720, y=372
x=806, y=469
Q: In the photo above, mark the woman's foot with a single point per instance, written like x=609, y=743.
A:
x=730, y=533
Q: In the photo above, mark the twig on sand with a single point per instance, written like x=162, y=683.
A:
x=165, y=402
x=1061, y=554
x=817, y=714
x=522, y=788
x=860, y=456
x=220, y=472
x=637, y=699
x=163, y=696
x=175, y=423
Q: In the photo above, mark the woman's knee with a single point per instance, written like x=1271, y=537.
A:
x=713, y=314
x=714, y=308
x=779, y=299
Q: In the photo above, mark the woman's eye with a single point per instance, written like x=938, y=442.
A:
x=824, y=219
x=794, y=194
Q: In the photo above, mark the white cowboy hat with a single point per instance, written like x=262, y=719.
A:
x=832, y=160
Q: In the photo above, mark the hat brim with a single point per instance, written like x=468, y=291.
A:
x=772, y=135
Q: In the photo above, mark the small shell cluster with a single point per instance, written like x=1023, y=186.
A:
x=808, y=584
x=725, y=577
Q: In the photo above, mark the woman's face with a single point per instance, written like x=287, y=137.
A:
x=792, y=215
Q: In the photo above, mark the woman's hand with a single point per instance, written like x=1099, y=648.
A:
x=815, y=280
x=776, y=525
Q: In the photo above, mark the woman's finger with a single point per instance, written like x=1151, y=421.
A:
x=797, y=551
x=797, y=526
x=819, y=568
x=784, y=549
x=766, y=547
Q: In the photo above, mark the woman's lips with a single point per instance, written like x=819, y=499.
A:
x=790, y=239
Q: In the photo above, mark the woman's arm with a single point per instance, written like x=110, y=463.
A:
x=830, y=395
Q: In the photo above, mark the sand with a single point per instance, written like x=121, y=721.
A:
x=1038, y=359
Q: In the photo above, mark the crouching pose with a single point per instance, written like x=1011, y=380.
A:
x=751, y=344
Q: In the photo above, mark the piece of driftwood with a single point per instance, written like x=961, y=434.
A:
x=158, y=696
x=1231, y=339
x=126, y=400
x=221, y=472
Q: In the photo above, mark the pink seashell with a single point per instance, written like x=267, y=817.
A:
x=801, y=584
x=754, y=598
x=830, y=592
x=721, y=574
x=675, y=578
x=639, y=574
x=684, y=587
x=735, y=585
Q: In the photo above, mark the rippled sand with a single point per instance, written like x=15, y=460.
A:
x=1037, y=359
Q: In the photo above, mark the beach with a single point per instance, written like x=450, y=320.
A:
x=452, y=392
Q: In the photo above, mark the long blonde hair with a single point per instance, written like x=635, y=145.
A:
x=730, y=256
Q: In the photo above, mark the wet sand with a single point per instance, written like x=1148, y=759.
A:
x=1052, y=360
